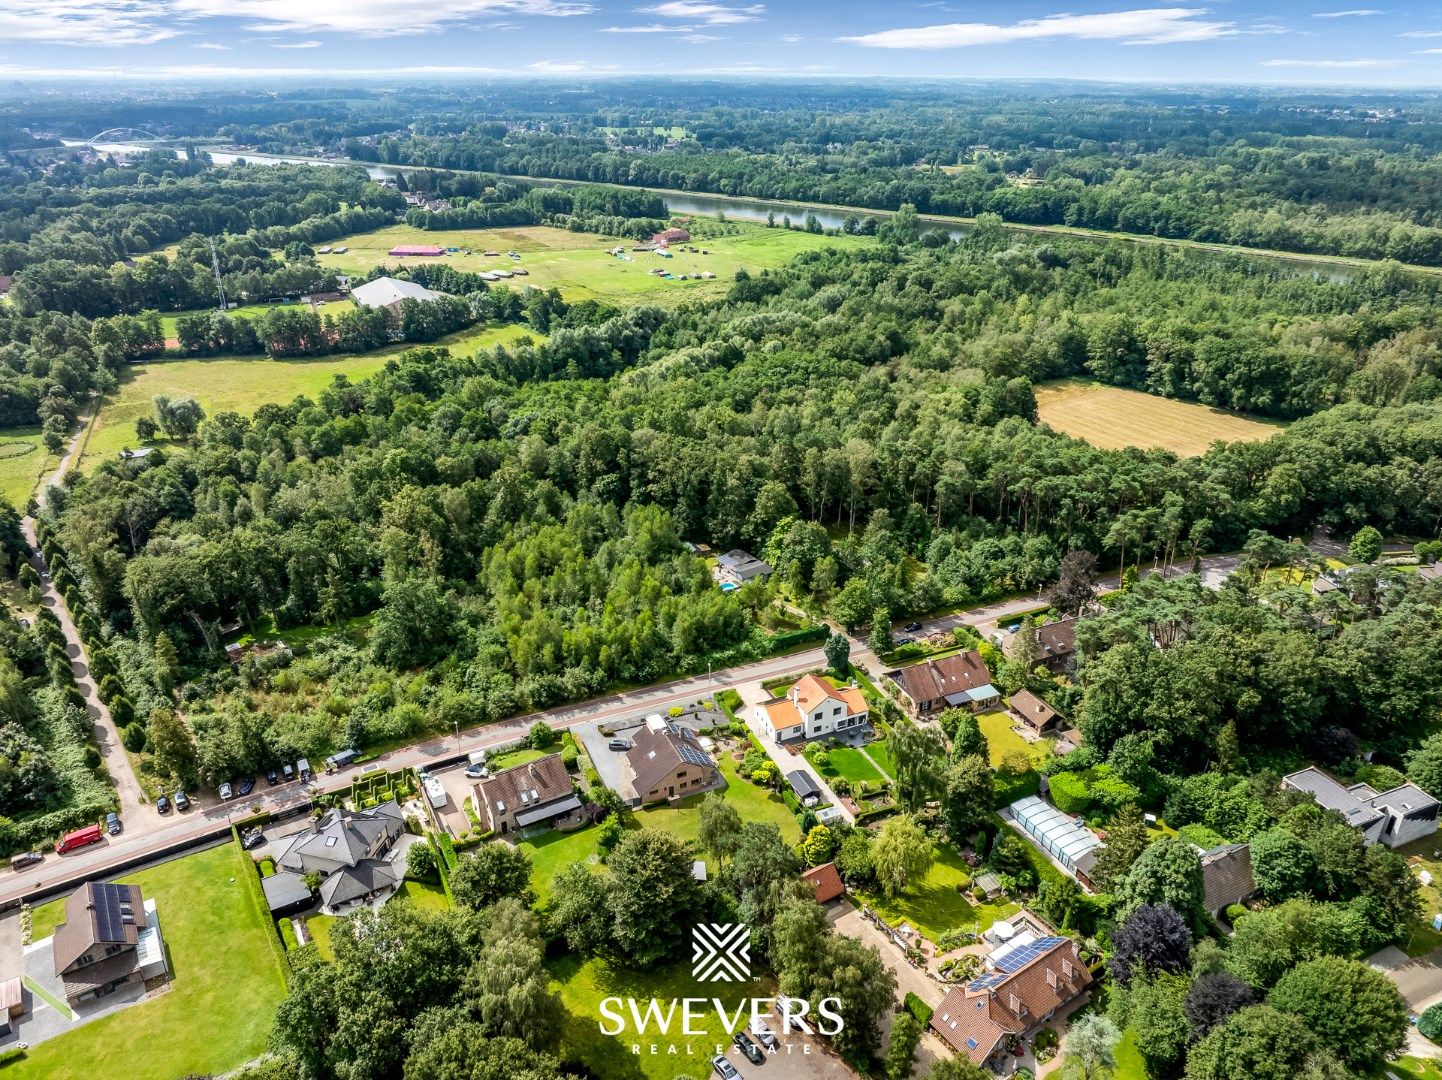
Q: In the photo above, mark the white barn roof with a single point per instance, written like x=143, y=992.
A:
x=385, y=291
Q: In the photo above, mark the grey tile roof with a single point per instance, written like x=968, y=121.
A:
x=1333, y=796
x=1227, y=875
x=356, y=881
x=284, y=889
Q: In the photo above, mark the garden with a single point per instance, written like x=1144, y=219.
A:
x=936, y=903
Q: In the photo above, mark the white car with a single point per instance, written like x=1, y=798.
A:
x=225, y=792
x=724, y=1068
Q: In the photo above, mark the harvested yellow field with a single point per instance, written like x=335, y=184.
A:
x=1113, y=418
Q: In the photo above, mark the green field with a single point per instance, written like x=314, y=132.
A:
x=582, y=986
x=248, y=311
x=933, y=905
x=23, y=461
x=1001, y=740
x=848, y=762
x=1113, y=418
x=226, y=982
x=231, y=384
x=578, y=263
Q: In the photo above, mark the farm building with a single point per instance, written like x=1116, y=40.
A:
x=421, y=250
x=390, y=293
x=671, y=236
x=1064, y=838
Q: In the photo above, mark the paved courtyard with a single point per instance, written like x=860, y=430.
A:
x=41, y=1020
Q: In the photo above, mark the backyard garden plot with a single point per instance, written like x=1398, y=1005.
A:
x=934, y=904
x=1113, y=418
x=227, y=982
x=580, y=264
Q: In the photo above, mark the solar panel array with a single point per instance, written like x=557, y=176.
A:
x=692, y=755
x=986, y=982
x=112, y=902
x=1015, y=961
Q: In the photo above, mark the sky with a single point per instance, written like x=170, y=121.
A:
x=1274, y=41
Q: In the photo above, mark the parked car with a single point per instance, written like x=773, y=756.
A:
x=303, y=767
x=26, y=858
x=619, y=744
x=272, y=777
x=763, y=1034
x=287, y=772
x=902, y=639
x=477, y=772
x=252, y=838
x=246, y=786
x=80, y=838
x=181, y=800
x=754, y=1053
x=112, y=823
x=723, y=1068
x=162, y=805
x=912, y=627
x=226, y=792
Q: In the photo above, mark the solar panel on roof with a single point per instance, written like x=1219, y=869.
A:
x=986, y=981
x=109, y=921
x=1015, y=961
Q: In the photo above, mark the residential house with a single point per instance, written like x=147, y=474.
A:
x=737, y=567
x=391, y=294
x=1033, y=713
x=1056, y=645
x=826, y=880
x=346, y=848
x=955, y=681
x=525, y=795
x=1394, y=817
x=110, y=938
x=814, y=708
x=1024, y=988
x=1226, y=877
x=671, y=236
x=668, y=762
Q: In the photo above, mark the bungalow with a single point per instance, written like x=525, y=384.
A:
x=953, y=681
x=1033, y=713
x=826, y=881
x=1023, y=988
x=737, y=567
x=525, y=795
x=110, y=938
x=346, y=848
x=1056, y=645
x=1394, y=817
x=667, y=762
x=813, y=708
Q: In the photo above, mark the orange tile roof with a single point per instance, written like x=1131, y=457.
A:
x=827, y=882
x=811, y=691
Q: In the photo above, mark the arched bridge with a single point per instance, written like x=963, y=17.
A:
x=126, y=135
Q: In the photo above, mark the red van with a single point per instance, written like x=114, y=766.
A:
x=91, y=834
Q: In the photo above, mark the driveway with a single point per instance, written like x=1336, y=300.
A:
x=1419, y=981
x=846, y=919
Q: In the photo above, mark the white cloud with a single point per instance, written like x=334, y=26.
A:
x=569, y=67
x=1350, y=14
x=708, y=13
x=1147, y=26
x=1359, y=62
x=1428, y=52
x=649, y=28
x=1422, y=34
x=368, y=18
x=792, y=39
x=84, y=22
x=312, y=44
x=212, y=45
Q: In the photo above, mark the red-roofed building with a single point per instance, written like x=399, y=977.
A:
x=671, y=236
x=813, y=708
x=826, y=881
x=428, y=250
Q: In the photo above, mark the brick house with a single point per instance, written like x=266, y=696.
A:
x=667, y=762
x=959, y=681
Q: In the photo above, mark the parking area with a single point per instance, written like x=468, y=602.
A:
x=457, y=786
x=798, y=1057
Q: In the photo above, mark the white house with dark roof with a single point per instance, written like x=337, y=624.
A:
x=346, y=848
x=1394, y=817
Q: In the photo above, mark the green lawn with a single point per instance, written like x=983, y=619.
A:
x=243, y=384
x=1410, y=1068
x=226, y=983
x=848, y=762
x=428, y=897
x=247, y=311
x=1422, y=939
x=511, y=758
x=23, y=461
x=1002, y=740
x=582, y=986
x=320, y=927
x=552, y=851
x=880, y=752
x=578, y=263
x=933, y=905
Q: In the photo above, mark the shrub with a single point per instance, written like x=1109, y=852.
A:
x=287, y=934
x=1235, y=912
x=918, y=1008
x=1430, y=1022
x=1069, y=793
x=133, y=738
x=569, y=756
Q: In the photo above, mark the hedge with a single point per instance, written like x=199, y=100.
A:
x=779, y=642
x=1070, y=793
x=1430, y=1023
x=918, y=1008
x=251, y=873
x=36, y=832
x=287, y=934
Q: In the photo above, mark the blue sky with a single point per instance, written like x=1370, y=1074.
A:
x=1283, y=41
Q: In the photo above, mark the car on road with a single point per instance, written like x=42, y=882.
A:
x=763, y=1034
x=477, y=772
x=26, y=858
x=912, y=628
x=246, y=786
x=112, y=823
x=181, y=800
x=754, y=1053
x=162, y=805
x=272, y=777
x=226, y=792
x=723, y=1068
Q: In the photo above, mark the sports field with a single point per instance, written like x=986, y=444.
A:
x=1113, y=418
x=243, y=384
x=579, y=264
